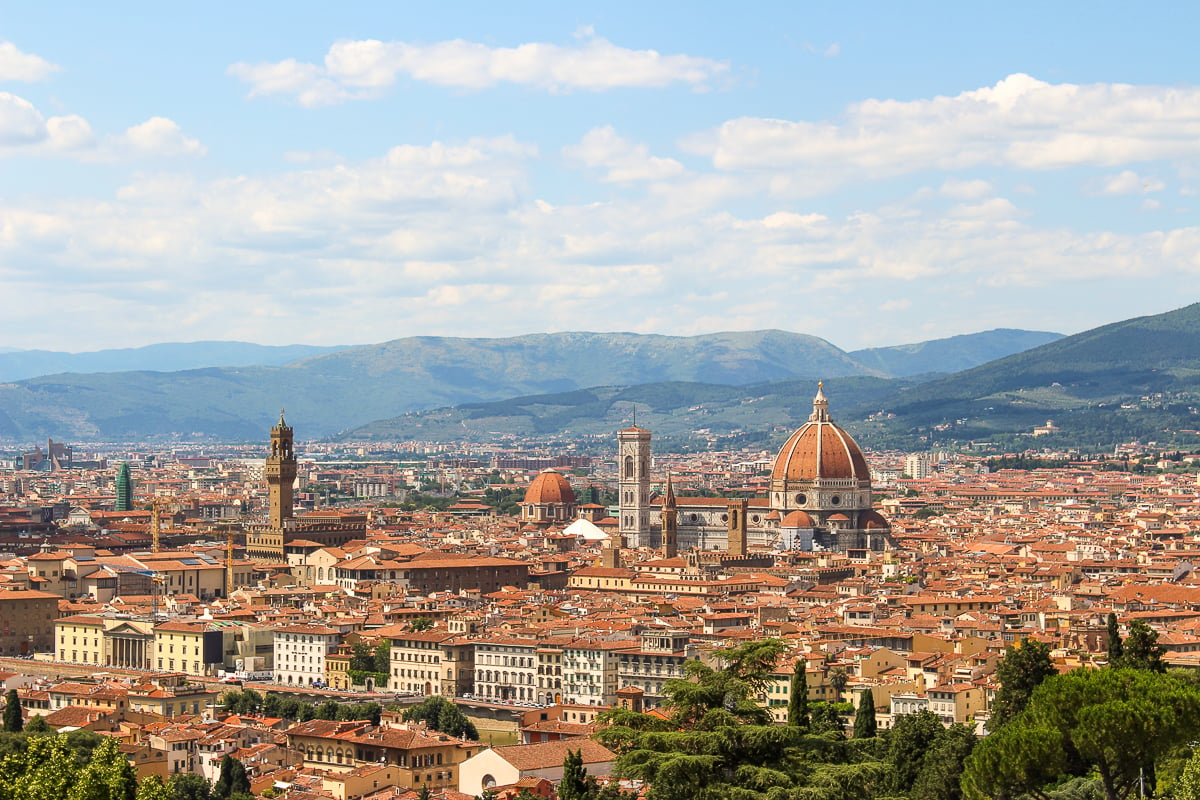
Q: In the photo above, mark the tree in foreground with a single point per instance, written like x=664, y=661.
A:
x=865, y=725
x=1114, y=640
x=153, y=788
x=838, y=680
x=1118, y=722
x=189, y=786
x=232, y=780
x=1019, y=673
x=442, y=715
x=798, y=696
x=574, y=783
x=1141, y=649
x=909, y=742
x=107, y=776
x=941, y=772
x=13, y=721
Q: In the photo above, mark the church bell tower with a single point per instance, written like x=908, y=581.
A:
x=633, y=457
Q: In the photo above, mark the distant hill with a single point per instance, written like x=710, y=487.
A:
x=16, y=364
x=953, y=354
x=1135, y=379
x=682, y=414
x=342, y=390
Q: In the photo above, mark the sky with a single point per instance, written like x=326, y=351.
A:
x=871, y=173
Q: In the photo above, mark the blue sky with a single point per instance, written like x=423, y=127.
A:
x=875, y=174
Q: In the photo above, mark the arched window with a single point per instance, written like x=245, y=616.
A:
x=628, y=473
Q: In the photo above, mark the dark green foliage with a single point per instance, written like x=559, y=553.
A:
x=1120, y=723
x=1022, y=670
x=941, y=772
x=865, y=725
x=328, y=709
x=1141, y=649
x=838, y=679
x=232, y=780
x=909, y=742
x=424, y=793
x=826, y=718
x=37, y=726
x=189, y=786
x=1115, y=650
x=362, y=658
x=49, y=768
x=382, y=661
x=798, y=696
x=273, y=705
x=13, y=721
x=574, y=783
x=421, y=624
x=442, y=715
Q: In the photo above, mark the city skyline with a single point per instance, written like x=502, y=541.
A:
x=873, y=176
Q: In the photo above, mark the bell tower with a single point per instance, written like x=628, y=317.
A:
x=281, y=473
x=633, y=465
x=670, y=522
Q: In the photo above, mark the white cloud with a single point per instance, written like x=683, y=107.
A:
x=25, y=131
x=18, y=66
x=448, y=238
x=1020, y=122
x=1129, y=182
x=363, y=68
x=623, y=160
x=159, y=136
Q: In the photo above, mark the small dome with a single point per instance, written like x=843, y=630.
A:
x=798, y=519
x=838, y=518
x=819, y=449
x=873, y=520
x=549, y=487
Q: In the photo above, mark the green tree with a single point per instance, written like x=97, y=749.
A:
x=865, y=725
x=1019, y=673
x=153, y=788
x=1114, y=640
x=442, y=715
x=272, y=705
x=44, y=771
x=107, y=776
x=13, y=721
x=38, y=726
x=1188, y=785
x=1118, y=722
x=421, y=624
x=232, y=780
x=941, y=772
x=382, y=657
x=798, y=697
x=838, y=679
x=909, y=742
x=424, y=793
x=328, y=709
x=362, y=658
x=189, y=786
x=574, y=783
x=1140, y=650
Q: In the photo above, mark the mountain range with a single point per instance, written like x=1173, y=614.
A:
x=350, y=387
x=1138, y=379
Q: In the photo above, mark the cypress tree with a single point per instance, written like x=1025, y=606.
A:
x=1115, y=647
x=13, y=721
x=798, y=699
x=865, y=725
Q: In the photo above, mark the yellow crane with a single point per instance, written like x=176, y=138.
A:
x=156, y=505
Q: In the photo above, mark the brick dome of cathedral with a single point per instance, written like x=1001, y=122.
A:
x=798, y=519
x=820, y=450
x=549, y=487
x=870, y=520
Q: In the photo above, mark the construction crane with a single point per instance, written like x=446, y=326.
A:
x=156, y=505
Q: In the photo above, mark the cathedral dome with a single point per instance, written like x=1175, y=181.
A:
x=820, y=450
x=549, y=487
x=798, y=519
x=871, y=520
